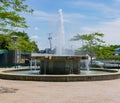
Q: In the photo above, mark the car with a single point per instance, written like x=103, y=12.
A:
x=97, y=64
x=111, y=65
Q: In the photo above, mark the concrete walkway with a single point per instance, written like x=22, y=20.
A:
x=59, y=92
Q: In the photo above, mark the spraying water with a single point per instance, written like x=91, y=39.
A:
x=87, y=62
x=60, y=40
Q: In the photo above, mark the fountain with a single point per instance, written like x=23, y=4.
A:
x=61, y=62
x=59, y=66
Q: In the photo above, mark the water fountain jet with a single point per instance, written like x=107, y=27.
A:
x=60, y=38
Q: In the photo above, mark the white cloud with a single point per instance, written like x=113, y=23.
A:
x=71, y=17
x=68, y=17
x=110, y=29
x=34, y=37
x=89, y=4
x=36, y=28
x=105, y=10
x=44, y=16
x=117, y=0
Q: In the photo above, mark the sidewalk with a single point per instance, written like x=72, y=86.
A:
x=59, y=92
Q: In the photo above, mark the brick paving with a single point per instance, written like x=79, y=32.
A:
x=59, y=92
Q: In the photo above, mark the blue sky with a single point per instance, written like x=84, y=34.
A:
x=80, y=16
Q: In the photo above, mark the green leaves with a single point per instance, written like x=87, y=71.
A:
x=24, y=45
x=91, y=42
x=4, y=41
x=21, y=42
x=17, y=41
x=10, y=14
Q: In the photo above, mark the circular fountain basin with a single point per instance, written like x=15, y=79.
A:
x=26, y=74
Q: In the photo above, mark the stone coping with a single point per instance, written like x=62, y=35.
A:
x=112, y=74
x=59, y=57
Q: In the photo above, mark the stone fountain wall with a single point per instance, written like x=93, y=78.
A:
x=60, y=64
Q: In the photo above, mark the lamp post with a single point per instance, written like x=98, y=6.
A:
x=15, y=53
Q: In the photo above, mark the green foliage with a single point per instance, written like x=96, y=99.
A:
x=10, y=18
x=20, y=34
x=4, y=41
x=18, y=40
x=112, y=57
x=10, y=14
x=108, y=52
x=21, y=41
x=105, y=51
x=91, y=43
x=24, y=45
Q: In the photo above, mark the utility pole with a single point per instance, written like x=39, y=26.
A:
x=50, y=38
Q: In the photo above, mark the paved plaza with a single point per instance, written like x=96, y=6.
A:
x=59, y=92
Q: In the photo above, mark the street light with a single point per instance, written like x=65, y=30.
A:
x=14, y=37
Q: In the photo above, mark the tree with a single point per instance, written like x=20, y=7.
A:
x=21, y=41
x=18, y=40
x=105, y=52
x=4, y=41
x=20, y=34
x=10, y=18
x=91, y=43
x=25, y=46
x=108, y=52
x=10, y=15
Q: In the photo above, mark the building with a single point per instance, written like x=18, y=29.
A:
x=13, y=58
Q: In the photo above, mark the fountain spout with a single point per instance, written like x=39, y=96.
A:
x=60, y=40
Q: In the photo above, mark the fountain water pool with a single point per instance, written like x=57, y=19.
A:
x=37, y=72
x=26, y=74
